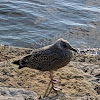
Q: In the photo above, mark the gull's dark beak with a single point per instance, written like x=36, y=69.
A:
x=73, y=49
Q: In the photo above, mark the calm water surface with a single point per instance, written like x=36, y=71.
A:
x=36, y=23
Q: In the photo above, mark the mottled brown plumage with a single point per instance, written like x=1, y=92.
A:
x=48, y=58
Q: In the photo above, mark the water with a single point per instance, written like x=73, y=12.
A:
x=36, y=23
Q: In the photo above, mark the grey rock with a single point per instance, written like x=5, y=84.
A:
x=17, y=94
x=62, y=96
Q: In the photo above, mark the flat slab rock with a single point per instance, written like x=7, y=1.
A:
x=17, y=94
x=62, y=96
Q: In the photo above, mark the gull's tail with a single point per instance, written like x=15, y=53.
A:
x=22, y=62
x=17, y=62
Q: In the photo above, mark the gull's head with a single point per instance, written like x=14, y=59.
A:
x=65, y=45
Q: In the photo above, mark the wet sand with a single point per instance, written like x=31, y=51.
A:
x=78, y=79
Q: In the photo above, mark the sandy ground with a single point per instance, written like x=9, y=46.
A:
x=79, y=78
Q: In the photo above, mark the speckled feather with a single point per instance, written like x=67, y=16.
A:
x=48, y=58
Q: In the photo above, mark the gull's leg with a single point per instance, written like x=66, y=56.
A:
x=54, y=81
x=47, y=90
x=51, y=82
x=51, y=77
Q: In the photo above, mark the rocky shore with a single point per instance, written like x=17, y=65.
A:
x=80, y=80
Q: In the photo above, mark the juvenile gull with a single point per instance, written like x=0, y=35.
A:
x=48, y=58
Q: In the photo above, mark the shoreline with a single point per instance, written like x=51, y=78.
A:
x=79, y=78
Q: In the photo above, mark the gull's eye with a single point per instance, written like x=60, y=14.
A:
x=64, y=46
